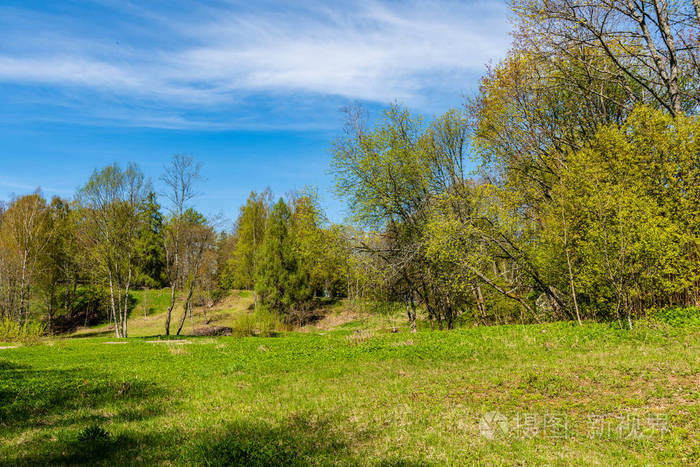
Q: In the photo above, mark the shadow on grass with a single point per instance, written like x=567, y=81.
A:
x=58, y=414
x=95, y=333
x=300, y=442
x=30, y=397
x=303, y=440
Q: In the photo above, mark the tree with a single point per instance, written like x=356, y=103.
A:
x=281, y=284
x=392, y=176
x=58, y=264
x=384, y=180
x=318, y=250
x=651, y=46
x=196, y=239
x=111, y=200
x=150, y=249
x=639, y=236
x=25, y=233
x=242, y=266
x=179, y=178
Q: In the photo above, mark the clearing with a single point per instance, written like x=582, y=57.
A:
x=357, y=393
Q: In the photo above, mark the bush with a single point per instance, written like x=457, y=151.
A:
x=260, y=322
x=12, y=331
x=678, y=316
x=93, y=436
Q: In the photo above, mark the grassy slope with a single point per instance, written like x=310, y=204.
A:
x=152, y=322
x=345, y=396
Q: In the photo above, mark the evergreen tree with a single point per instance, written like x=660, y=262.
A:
x=281, y=284
x=150, y=247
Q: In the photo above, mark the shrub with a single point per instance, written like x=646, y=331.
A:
x=677, y=316
x=12, y=331
x=93, y=436
x=261, y=322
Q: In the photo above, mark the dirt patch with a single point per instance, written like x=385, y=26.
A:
x=9, y=347
x=213, y=331
x=115, y=342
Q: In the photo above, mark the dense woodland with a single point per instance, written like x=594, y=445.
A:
x=566, y=188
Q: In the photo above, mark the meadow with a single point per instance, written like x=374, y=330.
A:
x=359, y=392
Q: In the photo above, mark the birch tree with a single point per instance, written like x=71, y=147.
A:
x=25, y=233
x=111, y=200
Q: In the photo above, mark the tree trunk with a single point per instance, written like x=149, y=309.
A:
x=50, y=311
x=573, y=288
x=170, y=309
x=22, y=288
x=125, y=318
x=411, y=310
x=113, y=307
x=185, y=308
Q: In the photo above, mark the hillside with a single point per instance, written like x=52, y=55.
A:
x=147, y=318
x=235, y=311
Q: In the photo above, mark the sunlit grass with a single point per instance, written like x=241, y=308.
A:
x=354, y=394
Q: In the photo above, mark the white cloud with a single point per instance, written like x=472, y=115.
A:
x=366, y=50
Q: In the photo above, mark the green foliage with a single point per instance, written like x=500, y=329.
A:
x=93, y=437
x=111, y=203
x=282, y=284
x=257, y=323
x=678, y=316
x=634, y=216
x=320, y=251
x=150, y=247
x=12, y=331
x=240, y=269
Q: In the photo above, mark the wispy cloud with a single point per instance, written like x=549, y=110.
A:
x=10, y=187
x=219, y=55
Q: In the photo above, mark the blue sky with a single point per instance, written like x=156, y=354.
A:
x=253, y=89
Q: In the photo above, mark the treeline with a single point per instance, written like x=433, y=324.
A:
x=69, y=262
x=586, y=199
x=584, y=203
x=75, y=262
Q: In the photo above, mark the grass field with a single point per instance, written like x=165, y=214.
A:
x=357, y=394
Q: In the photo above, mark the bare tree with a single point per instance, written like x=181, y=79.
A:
x=197, y=238
x=652, y=46
x=179, y=177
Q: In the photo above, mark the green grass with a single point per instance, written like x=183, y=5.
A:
x=353, y=396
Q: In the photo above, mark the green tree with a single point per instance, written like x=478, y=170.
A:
x=636, y=214
x=281, y=285
x=25, y=233
x=111, y=201
x=150, y=247
x=241, y=267
x=317, y=247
